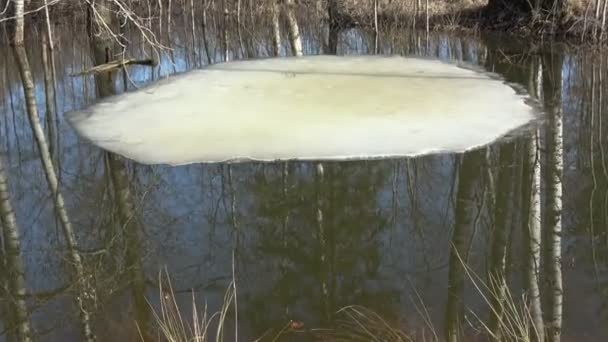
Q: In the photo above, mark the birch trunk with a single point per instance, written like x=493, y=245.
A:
x=225, y=31
x=553, y=195
x=603, y=25
x=52, y=84
x=532, y=236
x=49, y=92
x=169, y=17
x=376, y=33
x=293, y=28
x=276, y=29
x=14, y=272
x=531, y=225
x=17, y=35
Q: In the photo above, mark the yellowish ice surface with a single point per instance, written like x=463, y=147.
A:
x=307, y=108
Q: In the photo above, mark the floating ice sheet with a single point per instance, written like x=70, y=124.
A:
x=308, y=108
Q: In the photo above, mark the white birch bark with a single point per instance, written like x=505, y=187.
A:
x=553, y=195
x=15, y=270
x=293, y=28
x=532, y=221
x=27, y=80
x=276, y=28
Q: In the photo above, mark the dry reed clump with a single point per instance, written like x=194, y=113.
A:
x=350, y=323
x=173, y=327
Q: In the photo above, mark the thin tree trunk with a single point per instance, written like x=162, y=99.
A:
x=169, y=35
x=160, y=20
x=531, y=225
x=322, y=238
x=293, y=28
x=376, y=33
x=276, y=28
x=333, y=27
x=225, y=31
x=204, y=33
x=49, y=170
x=470, y=172
x=604, y=13
x=532, y=236
x=427, y=24
x=133, y=230
x=553, y=196
x=49, y=91
x=193, y=32
x=237, y=243
x=14, y=272
x=497, y=281
x=285, y=223
x=6, y=312
x=53, y=136
x=239, y=30
x=102, y=46
x=169, y=15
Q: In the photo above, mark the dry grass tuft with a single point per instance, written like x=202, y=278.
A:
x=174, y=328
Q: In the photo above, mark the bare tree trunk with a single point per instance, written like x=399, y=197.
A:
x=531, y=225
x=102, y=46
x=322, y=238
x=376, y=33
x=169, y=16
x=604, y=13
x=133, y=230
x=225, y=31
x=293, y=28
x=235, y=248
x=532, y=236
x=14, y=272
x=239, y=30
x=49, y=170
x=427, y=24
x=497, y=281
x=49, y=91
x=470, y=173
x=204, y=33
x=52, y=84
x=193, y=31
x=334, y=27
x=553, y=196
x=276, y=28
x=7, y=320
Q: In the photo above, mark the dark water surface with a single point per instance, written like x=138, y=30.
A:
x=305, y=243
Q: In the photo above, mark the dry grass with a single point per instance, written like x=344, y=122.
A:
x=175, y=328
x=351, y=323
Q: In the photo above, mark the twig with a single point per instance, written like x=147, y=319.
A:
x=113, y=65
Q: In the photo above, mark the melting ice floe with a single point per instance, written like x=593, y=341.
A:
x=308, y=108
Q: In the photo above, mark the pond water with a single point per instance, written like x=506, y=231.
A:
x=303, y=239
